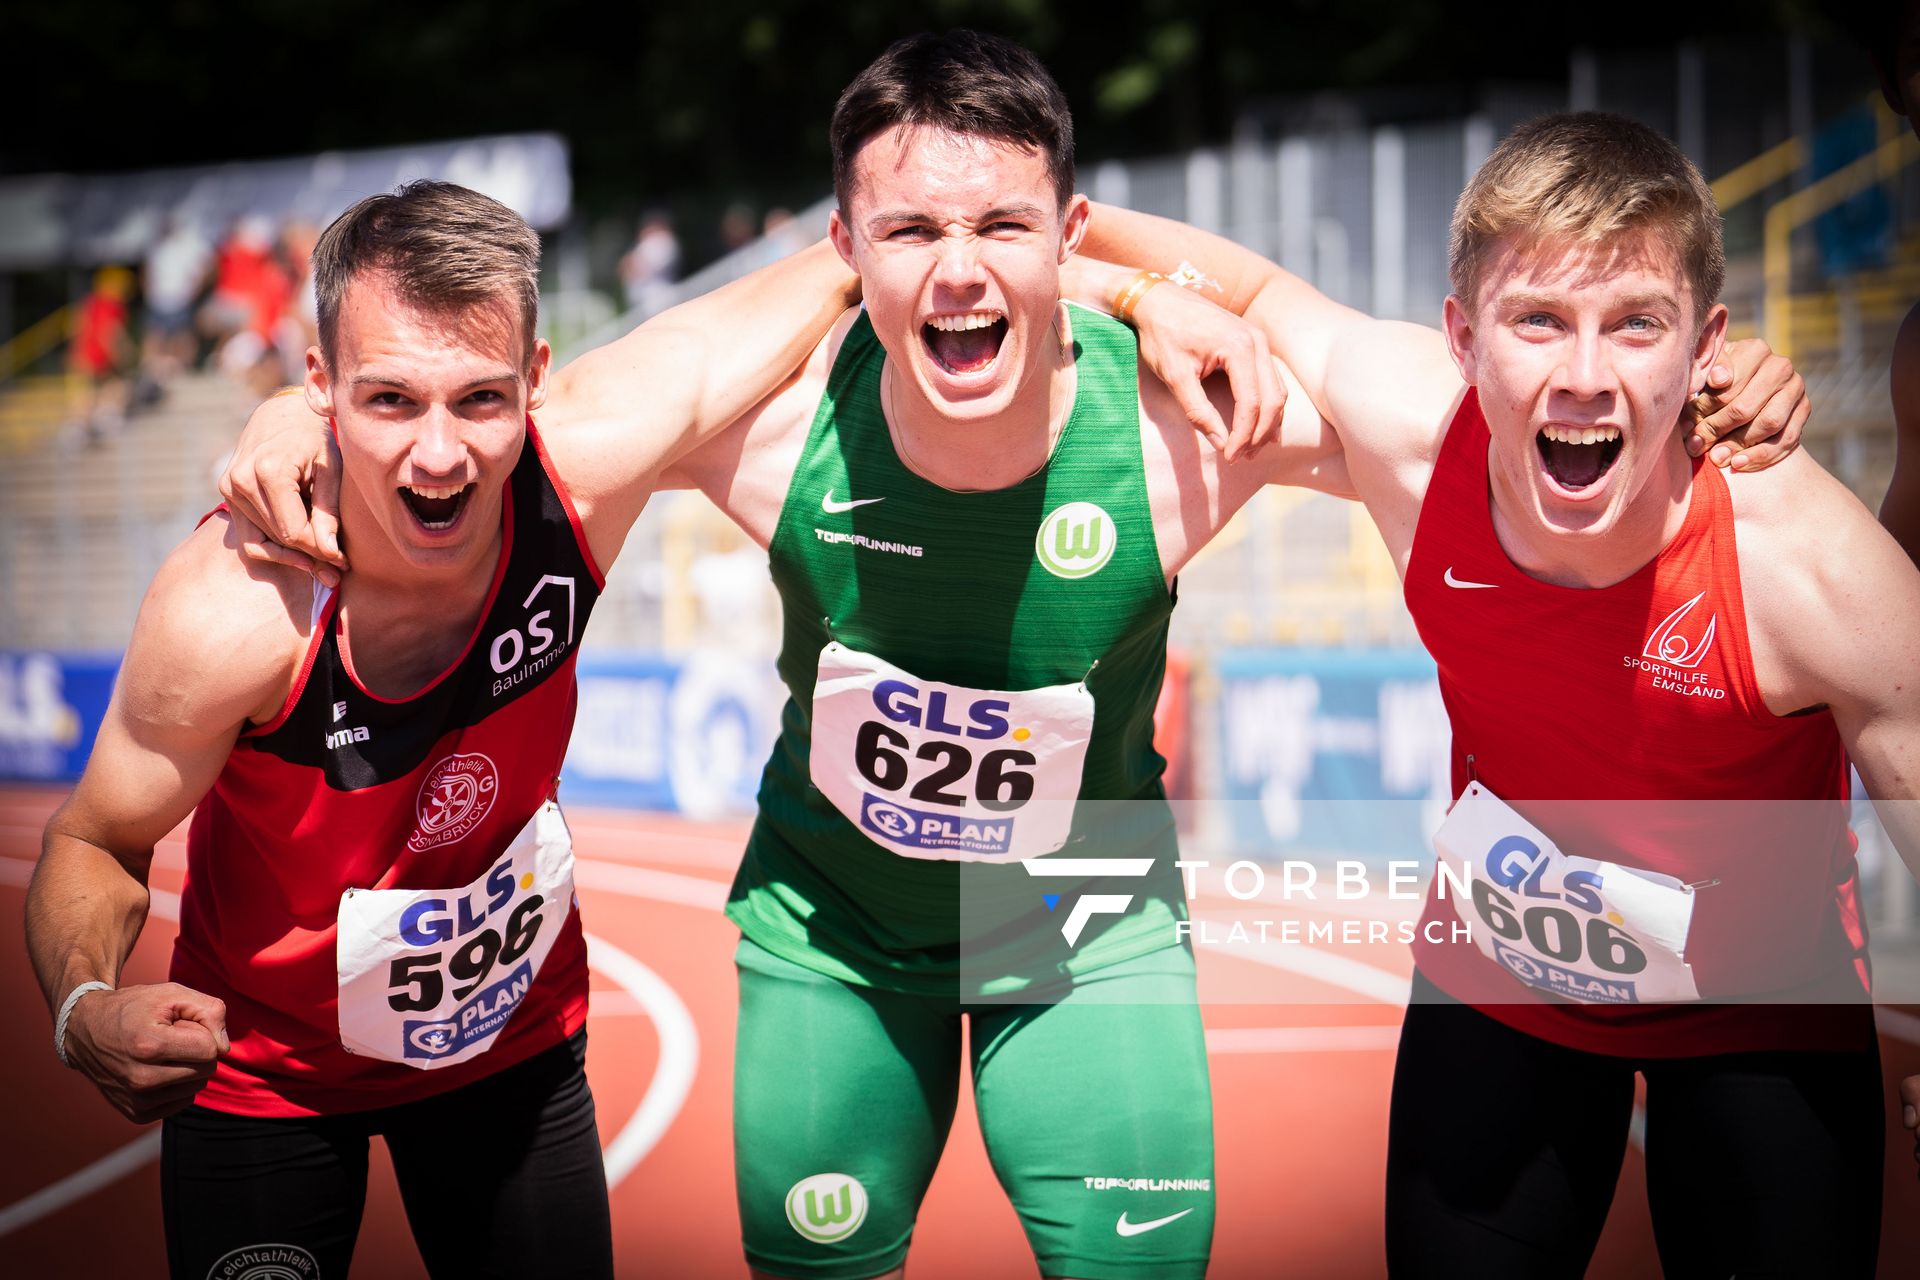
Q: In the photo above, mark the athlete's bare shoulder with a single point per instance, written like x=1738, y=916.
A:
x=747, y=468
x=1391, y=390
x=1824, y=585
x=219, y=638
x=1194, y=491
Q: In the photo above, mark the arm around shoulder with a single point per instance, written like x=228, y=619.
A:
x=619, y=416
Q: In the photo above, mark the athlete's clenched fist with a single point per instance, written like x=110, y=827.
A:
x=148, y=1049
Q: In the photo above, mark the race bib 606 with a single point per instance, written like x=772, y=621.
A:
x=1588, y=930
x=430, y=977
x=939, y=771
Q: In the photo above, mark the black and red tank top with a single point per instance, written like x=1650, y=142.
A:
x=347, y=789
x=1631, y=714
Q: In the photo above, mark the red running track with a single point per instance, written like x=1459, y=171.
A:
x=1300, y=1094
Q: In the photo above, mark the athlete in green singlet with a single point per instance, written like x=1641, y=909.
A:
x=975, y=503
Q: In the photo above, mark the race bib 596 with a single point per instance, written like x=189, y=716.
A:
x=430, y=977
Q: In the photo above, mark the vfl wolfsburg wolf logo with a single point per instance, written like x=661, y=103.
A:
x=1076, y=540
x=827, y=1207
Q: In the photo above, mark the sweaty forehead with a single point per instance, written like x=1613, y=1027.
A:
x=1639, y=267
x=935, y=170
x=378, y=325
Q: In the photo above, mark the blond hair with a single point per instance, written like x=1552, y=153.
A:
x=1587, y=178
x=441, y=247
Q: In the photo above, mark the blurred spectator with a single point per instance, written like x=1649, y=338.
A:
x=100, y=355
x=175, y=272
x=245, y=256
x=736, y=227
x=299, y=324
x=252, y=289
x=652, y=264
x=780, y=228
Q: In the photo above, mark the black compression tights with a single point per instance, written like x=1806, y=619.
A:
x=501, y=1177
x=1504, y=1150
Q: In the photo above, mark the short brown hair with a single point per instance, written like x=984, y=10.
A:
x=1586, y=178
x=442, y=247
x=962, y=82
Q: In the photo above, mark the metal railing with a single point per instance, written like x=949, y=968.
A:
x=1880, y=165
x=36, y=340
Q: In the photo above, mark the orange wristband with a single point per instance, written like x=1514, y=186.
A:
x=1129, y=298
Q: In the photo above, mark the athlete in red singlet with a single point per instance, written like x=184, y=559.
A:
x=1659, y=669
x=377, y=929
x=376, y=932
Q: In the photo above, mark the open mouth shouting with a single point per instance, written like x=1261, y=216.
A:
x=965, y=344
x=1576, y=458
x=436, y=507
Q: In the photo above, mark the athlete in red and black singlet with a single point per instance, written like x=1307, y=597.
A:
x=1640, y=699
x=346, y=789
x=1620, y=714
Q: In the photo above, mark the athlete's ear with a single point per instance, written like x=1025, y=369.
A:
x=319, y=384
x=1460, y=340
x=1708, y=346
x=1079, y=216
x=842, y=240
x=537, y=371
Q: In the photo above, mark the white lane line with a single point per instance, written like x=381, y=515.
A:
x=1357, y=1039
x=641, y=882
x=102, y=1173
x=646, y=845
x=1369, y=981
x=19, y=872
x=679, y=1057
x=666, y=1092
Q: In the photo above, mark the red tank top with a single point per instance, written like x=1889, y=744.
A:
x=1631, y=716
x=345, y=789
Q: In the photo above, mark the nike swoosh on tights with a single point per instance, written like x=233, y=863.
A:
x=1126, y=1228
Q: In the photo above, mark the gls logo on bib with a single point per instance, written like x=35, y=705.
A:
x=1076, y=540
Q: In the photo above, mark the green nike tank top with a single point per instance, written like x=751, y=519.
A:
x=928, y=603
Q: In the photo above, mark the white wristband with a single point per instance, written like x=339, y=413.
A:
x=66, y=1011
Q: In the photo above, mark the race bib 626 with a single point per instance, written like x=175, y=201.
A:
x=940, y=771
